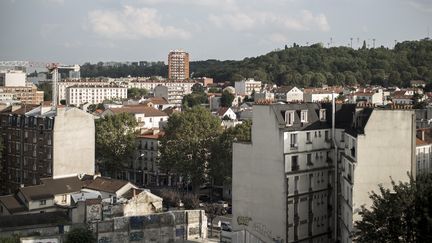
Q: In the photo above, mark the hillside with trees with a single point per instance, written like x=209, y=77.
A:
x=307, y=66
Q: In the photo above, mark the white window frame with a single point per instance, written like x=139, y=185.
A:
x=322, y=114
x=289, y=118
x=304, y=116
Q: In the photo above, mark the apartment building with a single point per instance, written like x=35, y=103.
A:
x=174, y=94
x=41, y=142
x=94, y=94
x=147, y=154
x=65, y=83
x=12, y=78
x=292, y=161
x=246, y=87
x=27, y=94
x=424, y=151
x=178, y=65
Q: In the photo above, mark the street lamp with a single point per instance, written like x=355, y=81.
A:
x=134, y=166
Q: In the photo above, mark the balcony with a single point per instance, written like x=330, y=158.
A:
x=294, y=146
x=295, y=167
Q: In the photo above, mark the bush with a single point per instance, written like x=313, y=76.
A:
x=80, y=235
x=191, y=201
x=170, y=198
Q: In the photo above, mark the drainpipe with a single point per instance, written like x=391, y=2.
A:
x=335, y=178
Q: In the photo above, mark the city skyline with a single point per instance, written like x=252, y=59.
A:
x=106, y=30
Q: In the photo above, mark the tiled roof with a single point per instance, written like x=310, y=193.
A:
x=106, y=184
x=130, y=194
x=51, y=187
x=323, y=90
x=283, y=89
x=420, y=142
x=139, y=109
x=222, y=111
x=12, y=204
x=156, y=101
x=152, y=136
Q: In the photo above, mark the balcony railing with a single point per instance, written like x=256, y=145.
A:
x=295, y=167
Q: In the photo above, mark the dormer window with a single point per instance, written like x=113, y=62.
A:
x=303, y=116
x=289, y=118
x=322, y=115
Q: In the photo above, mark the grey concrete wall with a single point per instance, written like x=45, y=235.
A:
x=258, y=168
x=386, y=150
x=73, y=143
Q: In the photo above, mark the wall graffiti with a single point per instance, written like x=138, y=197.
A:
x=180, y=232
x=194, y=231
x=136, y=236
x=104, y=239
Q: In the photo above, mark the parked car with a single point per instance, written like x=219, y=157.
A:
x=222, y=204
x=225, y=226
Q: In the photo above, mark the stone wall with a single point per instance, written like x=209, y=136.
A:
x=162, y=227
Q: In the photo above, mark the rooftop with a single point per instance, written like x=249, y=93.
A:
x=139, y=109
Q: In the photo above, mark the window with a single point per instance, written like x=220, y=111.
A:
x=293, y=140
x=303, y=116
x=294, y=163
x=42, y=202
x=319, y=133
x=308, y=139
x=342, y=137
x=64, y=198
x=322, y=114
x=326, y=134
x=289, y=118
x=309, y=159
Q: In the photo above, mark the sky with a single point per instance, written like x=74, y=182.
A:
x=78, y=31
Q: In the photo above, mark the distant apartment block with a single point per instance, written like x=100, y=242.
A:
x=40, y=142
x=12, y=78
x=65, y=83
x=174, y=94
x=246, y=87
x=178, y=65
x=94, y=94
x=292, y=160
x=25, y=94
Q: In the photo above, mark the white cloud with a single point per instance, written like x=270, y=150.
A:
x=422, y=5
x=244, y=21
x=278, y=38
x=220, y=4
x=132, y=23
x=237, y=21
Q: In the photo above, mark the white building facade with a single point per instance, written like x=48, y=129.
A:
x=245, y=87
x=78, y=95
x=291, y=159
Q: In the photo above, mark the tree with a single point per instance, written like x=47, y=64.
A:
x=226, y=99
x=47, y=89
x=190, y=201
x=220, y=166
x=197, y=88
x=80, y=235
x=194, y=99
x=136, y=93
x=115, y=140
x=185, y=148
x=400, y=214
x=212, y=211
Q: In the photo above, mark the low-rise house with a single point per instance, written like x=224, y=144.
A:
x=288, y=94
x=424, y=151
x=226, y=112
x=402, y=97
x=159, y=103
x=418, y=83
x=321, y=94
x=147, y=117
x=110, y=189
